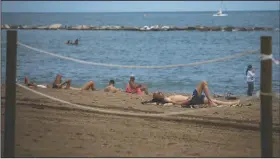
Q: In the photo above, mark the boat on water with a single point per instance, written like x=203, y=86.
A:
x=220, y=12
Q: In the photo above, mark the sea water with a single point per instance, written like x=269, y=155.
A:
x=144, y=48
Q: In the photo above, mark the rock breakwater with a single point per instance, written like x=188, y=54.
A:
x=144, y=28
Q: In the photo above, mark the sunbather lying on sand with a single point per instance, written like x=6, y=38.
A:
x=34, y=85
x=87, y=86
x=159, y=98
x=58, y=84
x=111, y=87
x=196, y=99
x=133, y=87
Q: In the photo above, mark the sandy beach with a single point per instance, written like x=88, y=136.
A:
x=47, y=128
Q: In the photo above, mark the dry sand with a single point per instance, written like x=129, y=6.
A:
x=47, y=128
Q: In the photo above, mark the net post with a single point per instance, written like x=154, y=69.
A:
x=266, y=100
x=10, y=105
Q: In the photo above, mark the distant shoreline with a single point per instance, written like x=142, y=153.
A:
x=149, y=12
x=142, y=28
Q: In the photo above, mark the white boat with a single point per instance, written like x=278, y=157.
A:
x=220, y=13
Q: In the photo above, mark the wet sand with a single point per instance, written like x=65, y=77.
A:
x=47, y=128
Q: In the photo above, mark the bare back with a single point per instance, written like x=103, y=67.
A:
x=132, y=85
x=177, y=99
x=58, y=79
x=111, y=89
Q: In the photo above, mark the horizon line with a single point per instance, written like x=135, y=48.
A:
x=140, y=11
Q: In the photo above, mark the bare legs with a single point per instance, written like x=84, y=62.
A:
x=86, y=86
x=203, y=87
x=89, y=85
x=31, y=84
x=145, y=89
x=28, y=83
x=67, y=82
x=225, y=103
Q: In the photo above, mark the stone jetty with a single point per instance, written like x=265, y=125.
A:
x=144, y=28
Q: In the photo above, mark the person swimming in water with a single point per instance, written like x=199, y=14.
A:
x=185, y=101
x=76, y=42
x=68, y=42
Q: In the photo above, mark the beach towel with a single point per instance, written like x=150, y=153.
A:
x=41, y=86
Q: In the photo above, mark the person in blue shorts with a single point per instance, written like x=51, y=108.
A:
x=198, y=97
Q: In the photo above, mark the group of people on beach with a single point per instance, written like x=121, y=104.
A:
x=200, y=95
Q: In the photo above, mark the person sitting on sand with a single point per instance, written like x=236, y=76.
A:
x=57, y=83
x=132, y=87
x=111, y=87
x=197, y=98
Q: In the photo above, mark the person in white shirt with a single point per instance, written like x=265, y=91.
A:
x=250, y=76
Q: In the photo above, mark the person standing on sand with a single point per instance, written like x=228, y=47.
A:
x=111, y=87
x=185, y=101
x=132, y=87
x=250, y=76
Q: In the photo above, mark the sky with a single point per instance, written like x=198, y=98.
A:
x=136, y=6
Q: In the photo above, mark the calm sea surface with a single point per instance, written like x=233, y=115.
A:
x=144, y=48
